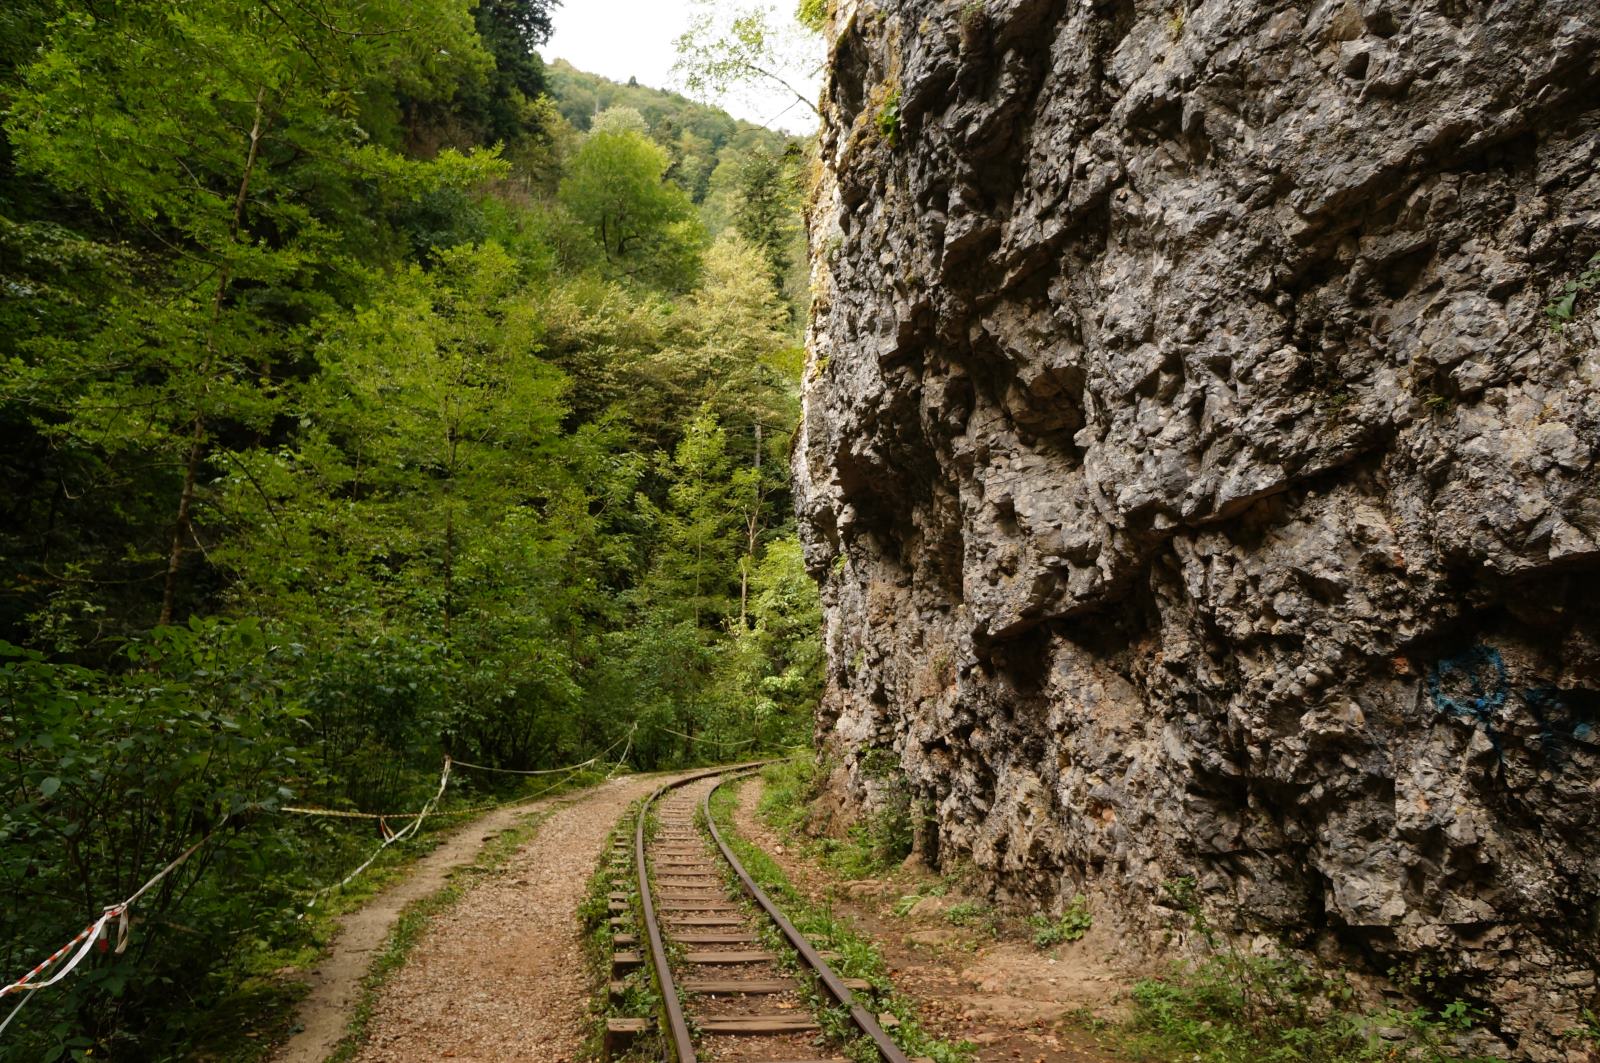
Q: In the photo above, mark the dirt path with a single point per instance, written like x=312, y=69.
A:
x=324, y=1015
x=500, y=974
x=1007, y=997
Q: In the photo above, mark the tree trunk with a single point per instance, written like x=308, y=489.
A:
x=752, y=526
x=169, y=590
x=449, y=564
x=453, y=443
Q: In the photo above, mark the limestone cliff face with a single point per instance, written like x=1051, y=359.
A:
x=1197, y=481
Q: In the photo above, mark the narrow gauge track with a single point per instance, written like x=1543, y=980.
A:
x=737, y=1001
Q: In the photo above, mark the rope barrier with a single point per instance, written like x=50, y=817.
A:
x=91, y=934
x=553, y=771
x=720, y=742
x=405, y=832
x=540, y=771
x=624, y=758
x=85, y=940
x=390, y=837
x=339, y=813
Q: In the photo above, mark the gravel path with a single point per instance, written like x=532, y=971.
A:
x=500, y=975
x=323, y=1017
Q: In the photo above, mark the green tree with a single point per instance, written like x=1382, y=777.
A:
x=615, y=185
x=620, y=120
x=272, y=351
x=694, y=566
x=728, y=49
x=511, y=30
x=221, y=179
x=737, y=348
x=768, y=207
x=769, y=675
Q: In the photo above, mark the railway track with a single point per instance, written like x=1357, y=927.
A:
x=703, y=933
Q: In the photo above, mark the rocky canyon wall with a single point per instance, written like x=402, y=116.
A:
x=1198, y=481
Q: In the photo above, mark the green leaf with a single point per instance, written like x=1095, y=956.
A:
x=49, y=786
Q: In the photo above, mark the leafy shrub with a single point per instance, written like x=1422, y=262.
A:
x=115, y=774
x=1235, y=1007
x=1072, y=925
x=882, y=839
x=789, y=788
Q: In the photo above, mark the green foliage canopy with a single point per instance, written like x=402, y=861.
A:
x=340, y=440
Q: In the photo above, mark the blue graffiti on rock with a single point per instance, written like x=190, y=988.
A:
x=1473, y=686
x=1477, y=683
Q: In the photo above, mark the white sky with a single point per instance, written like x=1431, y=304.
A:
x=620, y=39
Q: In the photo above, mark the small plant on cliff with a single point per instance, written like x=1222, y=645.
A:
x=1071, y=926
x=974, y=19
x=1587, y=1032
x=1436, y=403
x=889, y=119
x=1563, y=308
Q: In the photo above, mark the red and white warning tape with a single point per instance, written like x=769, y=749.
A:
x=87, y=937
x=390, y=837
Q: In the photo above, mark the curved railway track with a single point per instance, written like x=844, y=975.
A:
x=725, y=996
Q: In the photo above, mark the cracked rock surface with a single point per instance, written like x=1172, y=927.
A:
x=1199, y=486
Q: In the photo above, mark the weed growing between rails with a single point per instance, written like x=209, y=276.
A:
x=858, y=957
x=1238, y=1007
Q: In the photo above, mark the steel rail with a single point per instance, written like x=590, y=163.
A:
x=677, y=1025
x=863, y=1019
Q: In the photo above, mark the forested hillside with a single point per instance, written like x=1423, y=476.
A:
x=364, y=404
x=741, y=175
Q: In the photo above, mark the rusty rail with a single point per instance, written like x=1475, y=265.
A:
x=677, y=1025
x=680, y=1038
x=863, y=1019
